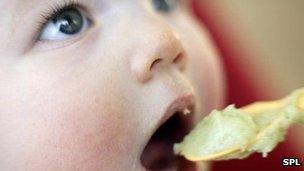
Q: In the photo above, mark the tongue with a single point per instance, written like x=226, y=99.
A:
x=158, y=156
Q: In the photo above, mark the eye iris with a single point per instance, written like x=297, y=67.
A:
x=164, y=5
x=161, y=5
x=69, y=21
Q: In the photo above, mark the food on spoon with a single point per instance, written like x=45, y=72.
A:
x=237, y=133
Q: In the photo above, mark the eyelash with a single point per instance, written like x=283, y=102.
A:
x=55, y=9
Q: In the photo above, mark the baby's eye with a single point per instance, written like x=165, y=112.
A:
x=66, y=23
x=164, y=5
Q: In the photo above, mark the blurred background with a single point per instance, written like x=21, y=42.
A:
x=276, y=29
x=262, y=45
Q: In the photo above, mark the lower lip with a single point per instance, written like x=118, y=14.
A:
x=183, y=165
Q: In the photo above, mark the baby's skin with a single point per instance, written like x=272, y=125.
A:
x=84, y=84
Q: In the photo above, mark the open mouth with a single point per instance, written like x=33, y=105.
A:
x=158, y=153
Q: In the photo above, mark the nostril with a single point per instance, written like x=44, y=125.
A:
x=178, y=58
x=180, y=61
x=155, y=62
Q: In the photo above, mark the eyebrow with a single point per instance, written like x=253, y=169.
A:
x=26, y=6
x=31, y=3
x=23, y=3
x=14, y=6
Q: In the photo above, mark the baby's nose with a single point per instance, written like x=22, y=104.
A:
x=159, y=48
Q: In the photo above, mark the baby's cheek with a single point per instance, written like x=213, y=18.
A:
x=87, y=137
x=52, y=119
x=78, y=133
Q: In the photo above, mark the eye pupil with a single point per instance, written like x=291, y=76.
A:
x=69, y=21
x=164, y=5
x=161, y=5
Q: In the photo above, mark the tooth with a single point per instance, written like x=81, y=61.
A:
x=186, y=111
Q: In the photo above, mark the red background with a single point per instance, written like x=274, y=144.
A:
x=241, y=88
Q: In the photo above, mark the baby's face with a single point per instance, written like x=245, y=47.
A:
x=84, y=84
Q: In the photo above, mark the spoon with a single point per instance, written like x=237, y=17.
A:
x=236, y=133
